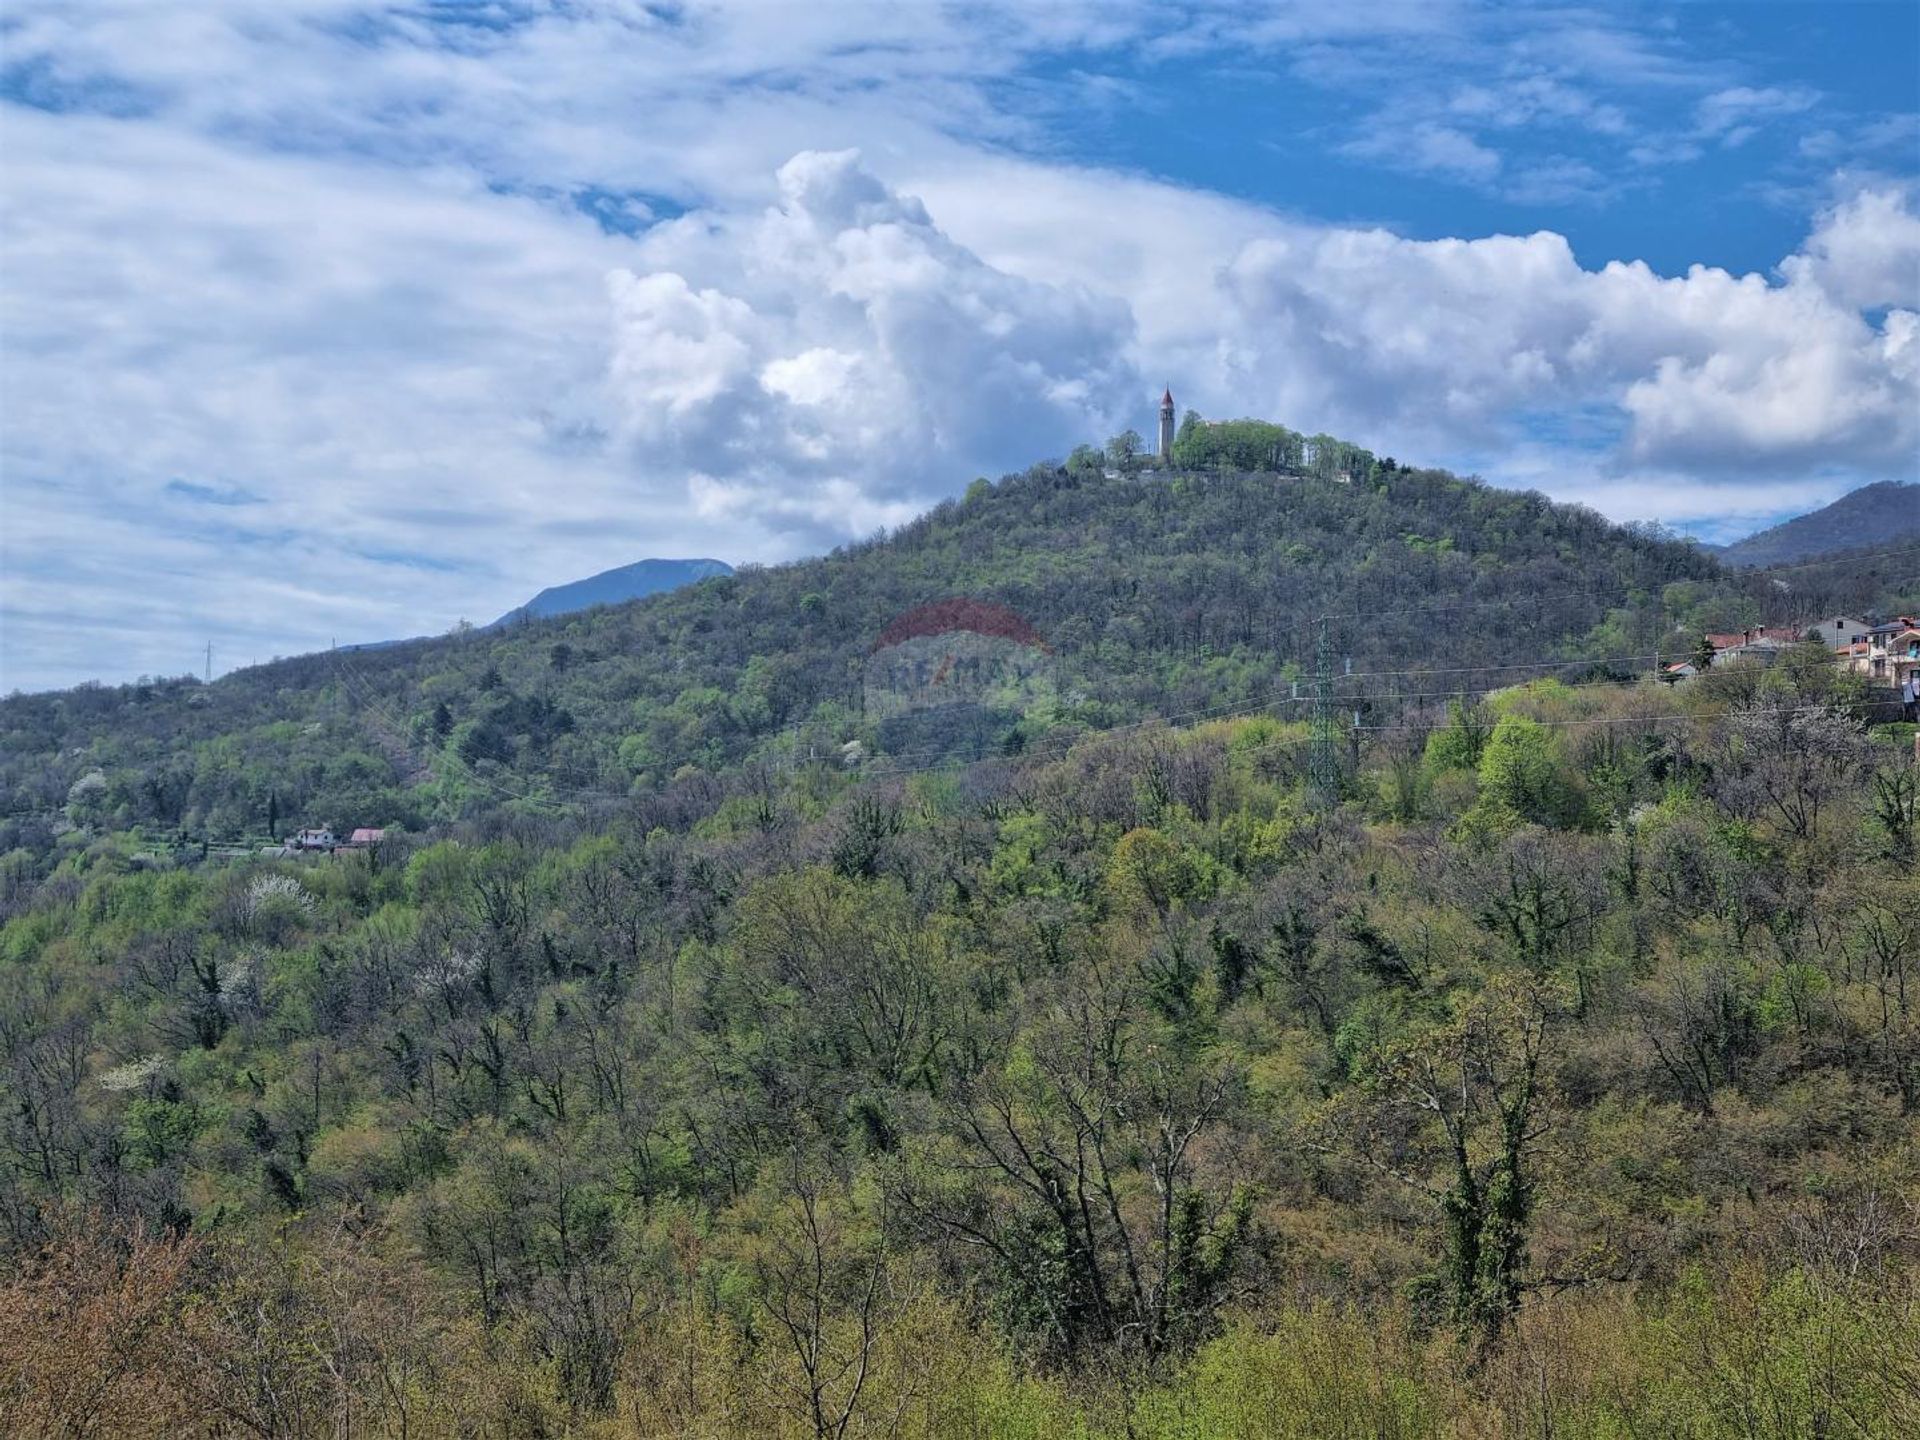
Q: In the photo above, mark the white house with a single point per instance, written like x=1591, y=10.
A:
x=1841, y=630
x=1888, y=653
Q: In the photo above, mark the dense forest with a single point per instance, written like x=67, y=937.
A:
x=1490, y=1041
x=1154, y=596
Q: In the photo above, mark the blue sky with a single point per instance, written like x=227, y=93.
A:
x=328, y=318
x=1294, y=131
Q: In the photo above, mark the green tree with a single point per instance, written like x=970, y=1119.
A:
x=1522, y=780
x=1084, y=461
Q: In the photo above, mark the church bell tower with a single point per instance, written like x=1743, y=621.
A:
x=1166, y=426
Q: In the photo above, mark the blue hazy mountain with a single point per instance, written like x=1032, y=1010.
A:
x=1874, y=515
x=611, y=587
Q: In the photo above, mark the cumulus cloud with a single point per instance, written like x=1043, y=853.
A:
x=1865, y=251
x=1710, y=373
x=840, y=343
x=806, y=356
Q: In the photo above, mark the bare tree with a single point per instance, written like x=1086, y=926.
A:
x=1789, y=761
x=827, y=1295
x=1455, y=1113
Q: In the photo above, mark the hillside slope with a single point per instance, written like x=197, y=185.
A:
x=1152, y=596
x=1872, y=516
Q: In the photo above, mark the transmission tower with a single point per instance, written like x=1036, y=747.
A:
x=1323, y=763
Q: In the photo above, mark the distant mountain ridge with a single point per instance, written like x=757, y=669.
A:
x=609, y=587
x=612, y=587
x=1870, y=516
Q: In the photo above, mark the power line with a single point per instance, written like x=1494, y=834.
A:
x=1779, y=667
x=899, y=761
x=1322, y=766
x=1067, y=743
x=1610, y=719
x=1325, y=765
x=1534, y=597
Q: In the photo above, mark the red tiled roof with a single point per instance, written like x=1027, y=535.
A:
x=1779, y=634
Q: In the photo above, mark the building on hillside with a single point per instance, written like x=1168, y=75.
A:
x=366, y=835
x=1889, y=653
x=315, y=838
x=1757, y=642
x=1166, y=426
x=1840, y=630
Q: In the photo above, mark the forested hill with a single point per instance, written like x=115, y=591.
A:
x=1153, y=594
x=1872, y=516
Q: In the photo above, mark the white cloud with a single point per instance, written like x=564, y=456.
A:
x=1460, y=342
x=1447, y=350
x=1734, y=115
x=1865, y=251
x=1429, y=147
x=391, y=364
x=685, y=348
x=331, y=256
x=840, y=338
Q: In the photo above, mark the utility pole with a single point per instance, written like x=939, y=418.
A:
x=209, y=662
x=1323, y=765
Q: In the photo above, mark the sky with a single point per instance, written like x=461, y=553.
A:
x=328, y=320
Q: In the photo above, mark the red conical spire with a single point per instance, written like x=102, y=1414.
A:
x=1167, y=399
